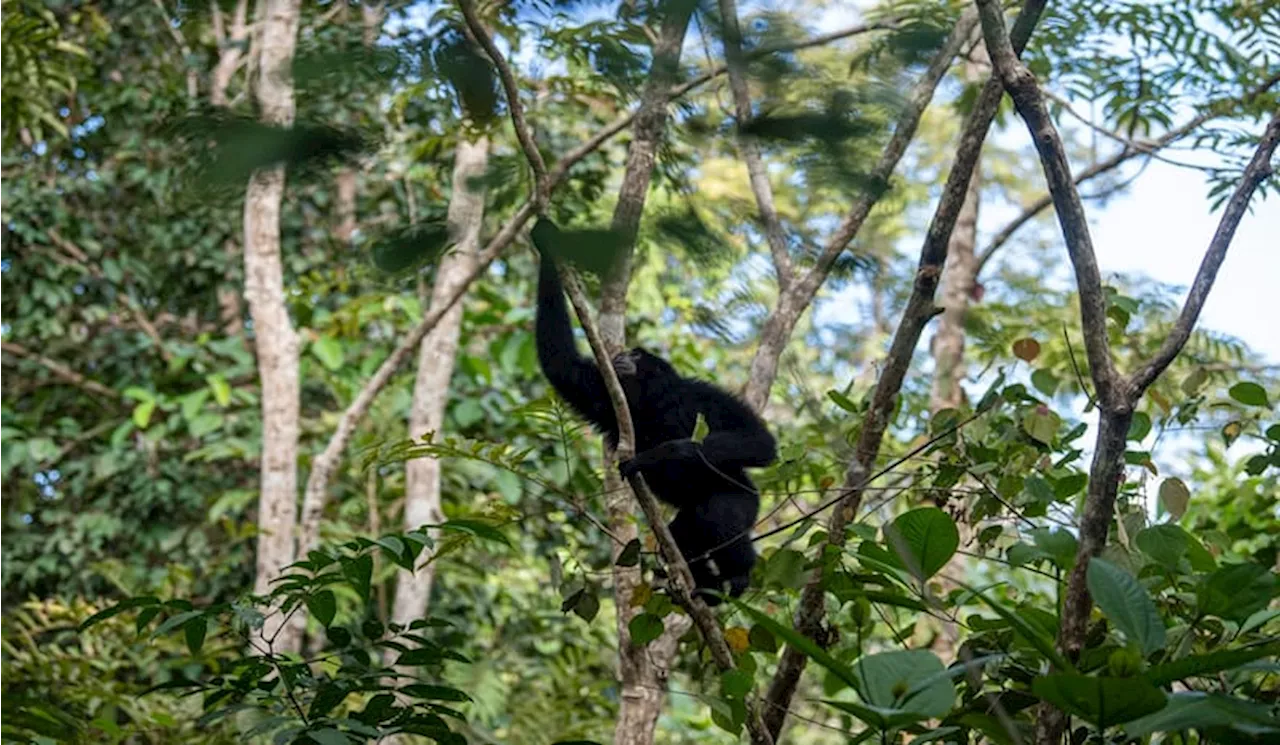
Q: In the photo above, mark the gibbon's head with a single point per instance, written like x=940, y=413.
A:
x=641, y=363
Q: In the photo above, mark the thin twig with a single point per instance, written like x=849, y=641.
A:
x=514, y=106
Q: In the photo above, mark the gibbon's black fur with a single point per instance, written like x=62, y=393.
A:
x=706, y=482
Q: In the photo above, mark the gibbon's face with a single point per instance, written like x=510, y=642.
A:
x=640, y=363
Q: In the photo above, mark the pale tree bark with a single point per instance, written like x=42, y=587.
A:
x=436, y=357
x=275, y=339
x=1117, y=394
x=959, y=278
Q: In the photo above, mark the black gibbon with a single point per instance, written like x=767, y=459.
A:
x=705, y=481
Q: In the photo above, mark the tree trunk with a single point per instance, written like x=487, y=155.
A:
x=436, y=357
x=642, y=671
x=274, y=336
x=959, y=277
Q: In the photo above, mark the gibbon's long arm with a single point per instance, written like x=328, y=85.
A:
x=574, y=377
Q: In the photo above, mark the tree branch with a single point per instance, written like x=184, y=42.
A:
x=514, y=106
x=1025, y=92
x=682, y=581
x=1258, y=170
x=61, y=371
x=919, y=310
x=794, y=300
x=748, y=146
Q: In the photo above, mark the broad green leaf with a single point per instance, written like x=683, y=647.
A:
x=195, y=631
x=1139, y=426
x=1196, y=710
x=329, y=736
x=761, y=639
x=841, y=400
x=329, y=351
x=175, y=621
x=1167, y=544
x=1127, y=605
x=736, y=683
x=1104, y=702
x=221, y=389
x=142, y=413
x=629, y=556
x=115, y=610
x=901, y=686
x=1208, y=664
x=1041, y=423
x=1249, y=393
x=1038, y=639
x=359, y=572
x=1236, y=591
x=644, y=628
x=801, y=643
x=327, y=697
x=434, y=692
x=323, y=606
x=924, y=539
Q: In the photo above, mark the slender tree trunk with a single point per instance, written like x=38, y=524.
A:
x=642, y=671
x=958, y=280
x=959, y=277
x=436, y=357
x=274, y=336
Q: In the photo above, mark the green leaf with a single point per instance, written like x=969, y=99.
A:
x=1196, y=710
x=478, y=528
x=1127, y=605
x=700, y=428
x=115, y=610
x=329, y=736
x=195, y=631
x=433, y=692
x=221, y=389
x=327, y=697
x=762, y=640
x=142, y=413
x=359, y=572
x=1104, y=702
x=323, y=606
x=1044, y=381
x=801, y=643
x=644, y=628
x=587, y=605
x=735, y=683
x=841, y=400
x=924, y=539
x=1249, y=394
x=1236, y=591
x=629, y=556
x=911, y=680
x=1167, y=544
x=1139, y=426
x=329, y=351
x=785, y=568
x=1041, y=423
x=175, y=621
x=1208, y=664
x=1040, y=641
